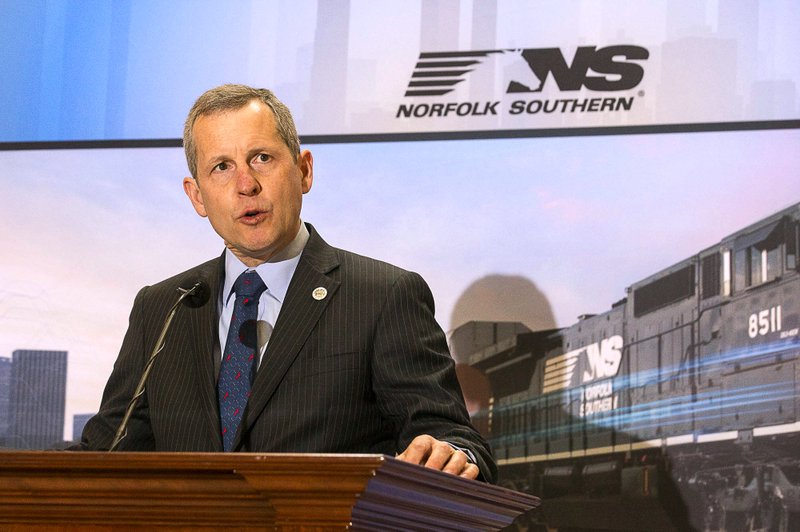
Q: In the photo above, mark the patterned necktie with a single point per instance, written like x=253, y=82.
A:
x=235, y=374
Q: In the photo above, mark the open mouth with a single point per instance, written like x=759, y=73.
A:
x=252, y=216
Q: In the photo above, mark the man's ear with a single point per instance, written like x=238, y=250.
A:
x=195, y=196
x=305, y=162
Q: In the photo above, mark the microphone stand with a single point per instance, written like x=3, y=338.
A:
x=122, y=431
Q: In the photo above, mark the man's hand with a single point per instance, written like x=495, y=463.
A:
x=428, y=451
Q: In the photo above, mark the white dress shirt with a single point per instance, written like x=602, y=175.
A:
x=276, y=274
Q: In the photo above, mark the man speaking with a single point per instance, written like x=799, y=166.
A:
x=302, y=347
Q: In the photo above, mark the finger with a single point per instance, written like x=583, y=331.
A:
x=418, y=450
x=457, y=462
x=427, y=451
x=440, y=455
x=470, y=471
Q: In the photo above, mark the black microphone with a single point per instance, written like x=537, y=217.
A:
x=195, y=296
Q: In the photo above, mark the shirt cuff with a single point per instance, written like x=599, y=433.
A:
x=470, y=456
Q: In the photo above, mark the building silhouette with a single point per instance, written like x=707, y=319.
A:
x=439, y=26
x=327, y=106
x=38, y=394
x=5, y=397
x=484, y=37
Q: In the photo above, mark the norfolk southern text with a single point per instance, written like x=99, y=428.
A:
x=517, y=107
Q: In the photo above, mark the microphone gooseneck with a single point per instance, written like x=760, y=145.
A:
x=195, y=296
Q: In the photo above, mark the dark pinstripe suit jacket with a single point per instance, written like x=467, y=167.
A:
x=366, y=369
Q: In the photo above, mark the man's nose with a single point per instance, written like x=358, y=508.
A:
x=246, y=182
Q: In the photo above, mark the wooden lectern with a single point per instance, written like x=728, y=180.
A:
x=243, y=491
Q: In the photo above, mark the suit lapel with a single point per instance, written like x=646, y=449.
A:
x=203, y=332
x=299, y=314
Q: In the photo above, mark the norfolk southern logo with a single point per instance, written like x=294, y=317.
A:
x=526, y=72
x=600, y=360
x=589, y=370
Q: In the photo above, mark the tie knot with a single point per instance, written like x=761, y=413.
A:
x=249, y=284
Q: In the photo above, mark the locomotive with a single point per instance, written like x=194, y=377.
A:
x=677, y=409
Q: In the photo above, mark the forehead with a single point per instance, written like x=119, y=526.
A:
x=235, y=128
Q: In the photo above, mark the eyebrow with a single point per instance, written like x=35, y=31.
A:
x=215, y=161
x=255, y=151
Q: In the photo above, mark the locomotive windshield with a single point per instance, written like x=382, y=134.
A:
x=758, y=255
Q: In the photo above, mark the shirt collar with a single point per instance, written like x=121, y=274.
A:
x=276, y=273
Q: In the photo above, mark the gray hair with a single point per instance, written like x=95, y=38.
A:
x=231, y=97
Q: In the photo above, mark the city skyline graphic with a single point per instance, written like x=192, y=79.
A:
x=343, y=66
x=32, y=399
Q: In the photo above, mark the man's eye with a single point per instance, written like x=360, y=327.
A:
x=221, y=166
x=262, y=158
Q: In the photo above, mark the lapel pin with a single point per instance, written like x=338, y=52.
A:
x=319, y=293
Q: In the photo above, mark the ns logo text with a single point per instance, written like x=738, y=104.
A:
x=611, y=68
x=601, y=360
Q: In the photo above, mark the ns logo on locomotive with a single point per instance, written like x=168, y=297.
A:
x=677, y=409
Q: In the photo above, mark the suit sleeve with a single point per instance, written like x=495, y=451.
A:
x=101, y=429
x=414, y=375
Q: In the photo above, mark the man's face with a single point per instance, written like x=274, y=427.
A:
x=248, y=184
